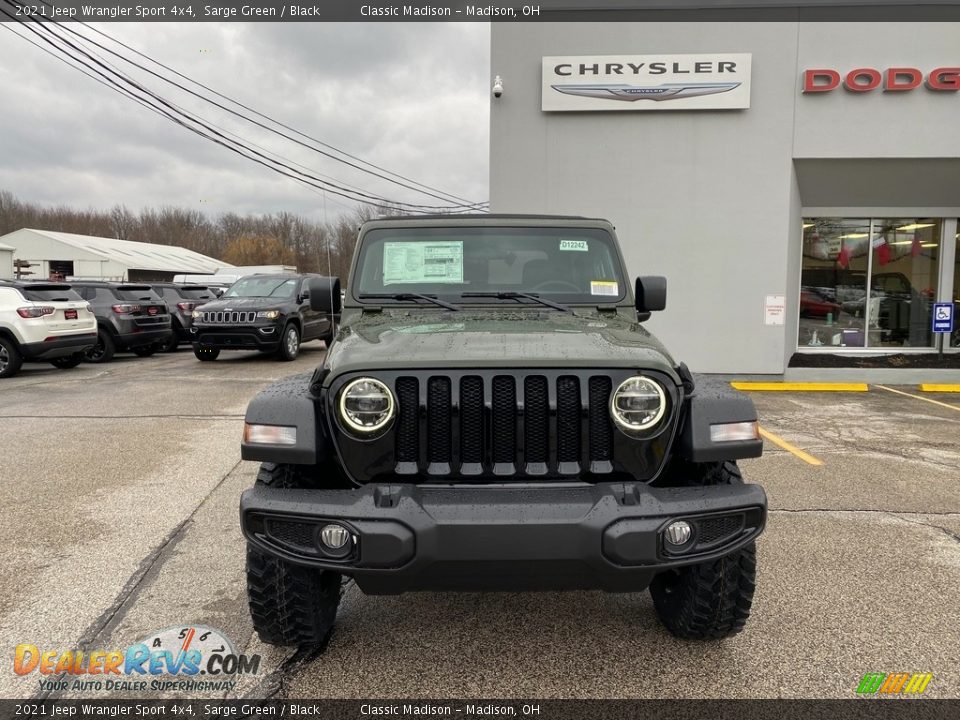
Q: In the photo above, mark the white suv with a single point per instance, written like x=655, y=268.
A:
x=43, y=321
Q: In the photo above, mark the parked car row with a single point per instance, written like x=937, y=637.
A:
x=69, y=323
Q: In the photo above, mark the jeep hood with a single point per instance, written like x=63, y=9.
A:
x=394, y=340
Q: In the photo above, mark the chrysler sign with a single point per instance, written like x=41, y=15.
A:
x=646, y=82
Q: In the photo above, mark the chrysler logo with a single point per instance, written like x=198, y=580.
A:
x=630, y=93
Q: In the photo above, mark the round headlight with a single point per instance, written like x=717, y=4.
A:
x=638, y=404
x=366, y=405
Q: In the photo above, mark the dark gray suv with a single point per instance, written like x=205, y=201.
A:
x=182, y=300
x=130, y=317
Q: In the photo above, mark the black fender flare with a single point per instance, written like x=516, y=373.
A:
x=715, y=403
x=289, y=403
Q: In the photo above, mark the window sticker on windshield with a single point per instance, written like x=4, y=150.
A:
x=580, y=245
x=604, y=287
x=422, y=262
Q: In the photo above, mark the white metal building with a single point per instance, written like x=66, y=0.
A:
x=85, y=256
x=6, y=261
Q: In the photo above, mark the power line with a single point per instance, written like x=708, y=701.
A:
x=223, y=140
x=463, y=203
x=159, y=110
x=136, y=99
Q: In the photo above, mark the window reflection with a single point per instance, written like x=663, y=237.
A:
x=903, y=287
x=835, y=260
x=868, y=283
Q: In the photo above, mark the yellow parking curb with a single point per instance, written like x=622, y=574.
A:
x=934, y=387
x=800, y=386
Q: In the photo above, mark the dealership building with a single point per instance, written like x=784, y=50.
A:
x=797, y=182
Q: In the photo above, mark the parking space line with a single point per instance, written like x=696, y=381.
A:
x=918, y=397
x=806, y=457
x=799, y=386
x=937, y=387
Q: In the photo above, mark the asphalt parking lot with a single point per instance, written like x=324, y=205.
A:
x=120, y=486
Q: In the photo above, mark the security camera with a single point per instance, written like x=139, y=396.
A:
x=497, y=86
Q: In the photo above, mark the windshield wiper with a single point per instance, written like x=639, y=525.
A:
x=409, y=296
x=517, y=296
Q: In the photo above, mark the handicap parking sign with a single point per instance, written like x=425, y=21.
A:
x=943, y=317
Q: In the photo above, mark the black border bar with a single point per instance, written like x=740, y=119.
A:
x=503, y=11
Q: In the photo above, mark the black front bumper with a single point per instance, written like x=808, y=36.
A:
x=262, y=337
x=409, y=537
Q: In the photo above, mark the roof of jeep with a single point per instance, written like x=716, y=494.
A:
x=486, y=220
x=486, y=216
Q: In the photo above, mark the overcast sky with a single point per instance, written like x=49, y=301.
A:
x=412, y=98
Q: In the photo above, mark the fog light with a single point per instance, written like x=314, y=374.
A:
x=334, y=536
x=678, y=533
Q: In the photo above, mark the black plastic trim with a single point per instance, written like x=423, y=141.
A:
x=502, y=537
x=712, y=407
x=287, y=402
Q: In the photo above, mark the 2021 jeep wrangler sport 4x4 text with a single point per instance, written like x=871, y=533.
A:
x=492, y=415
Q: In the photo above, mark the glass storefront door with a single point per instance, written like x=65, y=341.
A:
x=835, y=271
x=956, y=293
x=903, y=282
x=869, y=283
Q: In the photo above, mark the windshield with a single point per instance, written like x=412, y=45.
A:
x=569, y=265
x=262, y=287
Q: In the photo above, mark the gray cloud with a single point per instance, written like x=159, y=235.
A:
x=409, y=97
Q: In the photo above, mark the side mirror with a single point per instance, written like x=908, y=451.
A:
x=651, y=293
x=325, y=294
x=304, y=294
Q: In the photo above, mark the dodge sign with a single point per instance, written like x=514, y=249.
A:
x=646, y=82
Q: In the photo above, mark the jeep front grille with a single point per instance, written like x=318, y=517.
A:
x=228, y=318
x=518, y=424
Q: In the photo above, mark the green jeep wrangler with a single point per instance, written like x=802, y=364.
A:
x=492, y=415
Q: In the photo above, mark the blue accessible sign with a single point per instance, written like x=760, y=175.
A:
x=943, y=317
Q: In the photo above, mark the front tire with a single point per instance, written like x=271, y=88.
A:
x=206, y=354
x=711, y=600
x=103, y=351
x=289, y=343
x=70, y=361
x=290, y=605
x=10, y=358
x=171, y=343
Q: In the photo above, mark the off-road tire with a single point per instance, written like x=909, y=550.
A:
x=10, y=358
x=68, y=361
x=289, y=347
x=290, y=605
x=206, y=354
x=280, y=475
x=710, y=600
x=173, y=342
x=103, y=351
